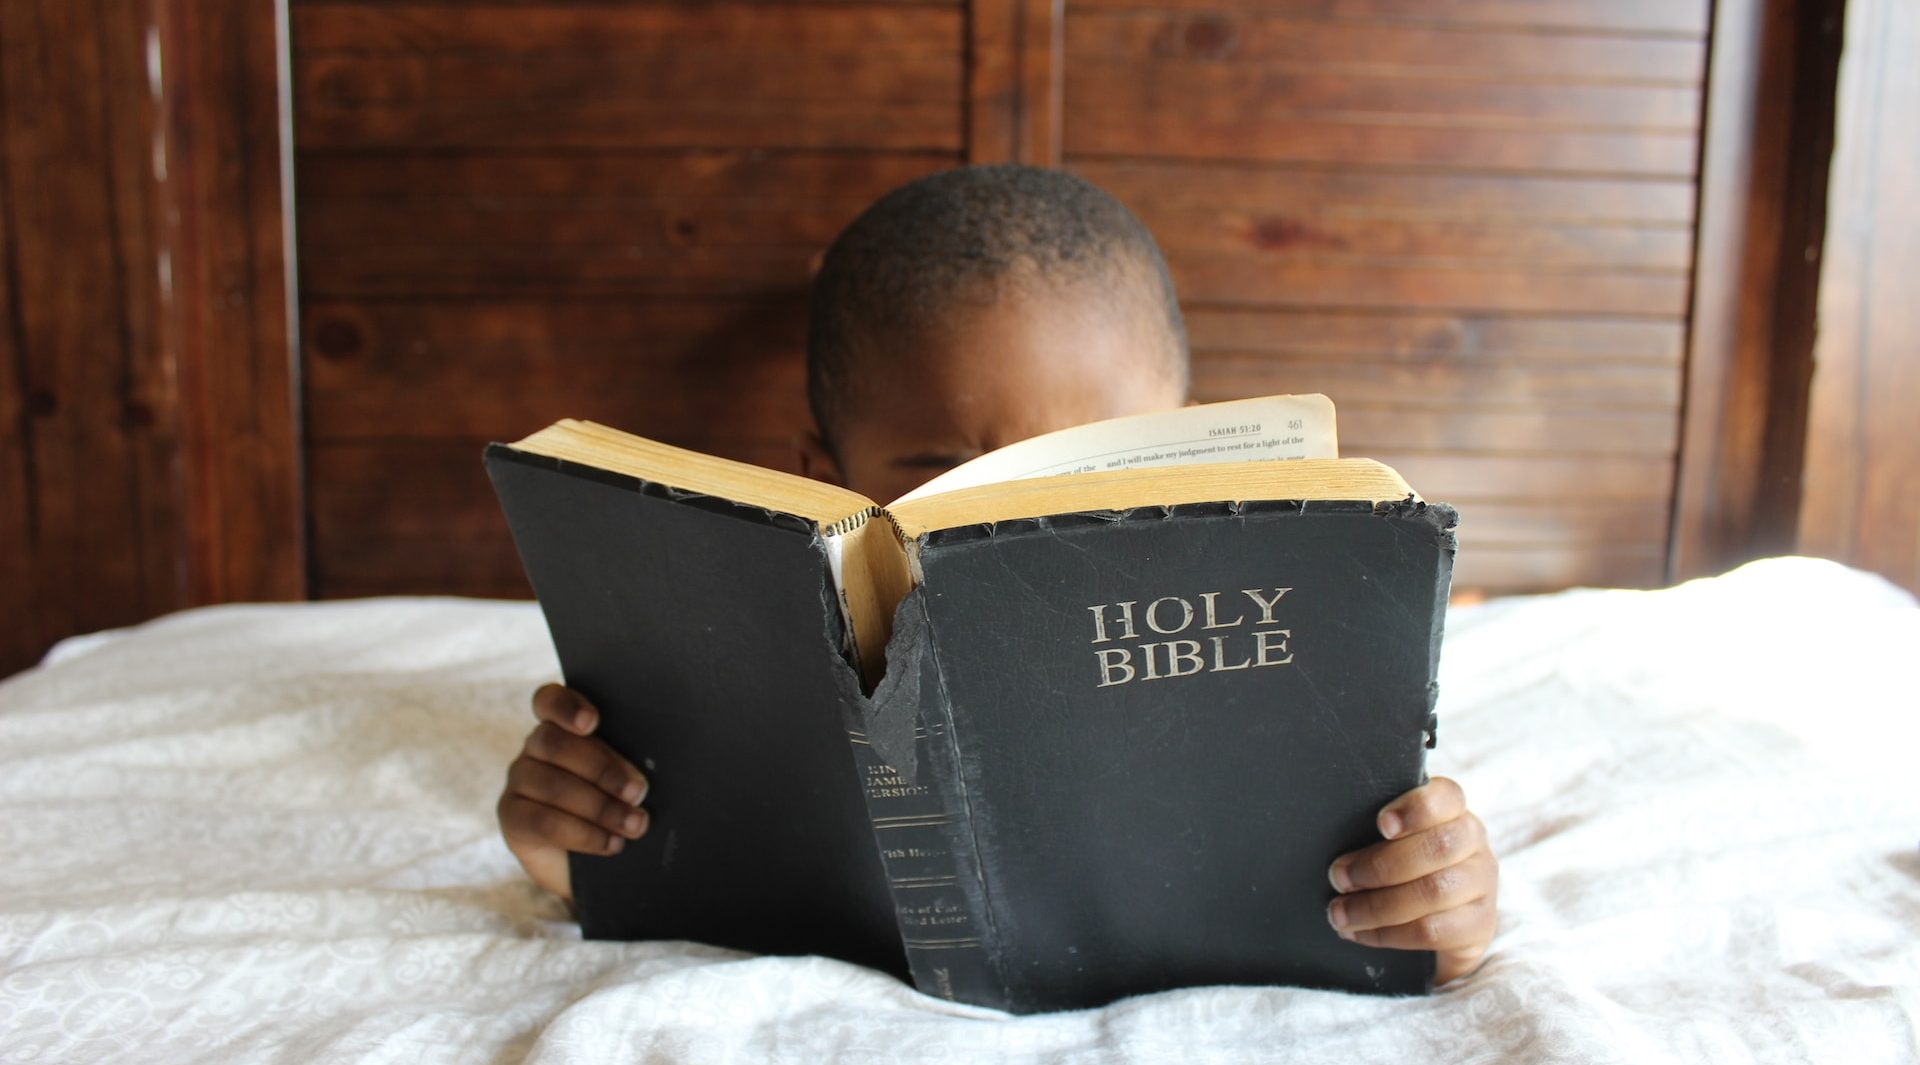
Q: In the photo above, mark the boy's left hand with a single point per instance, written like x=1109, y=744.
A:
x=1429, y=886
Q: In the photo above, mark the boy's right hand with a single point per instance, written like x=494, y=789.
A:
x=568, y=791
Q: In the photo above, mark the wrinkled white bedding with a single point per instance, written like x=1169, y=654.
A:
x=265, y=833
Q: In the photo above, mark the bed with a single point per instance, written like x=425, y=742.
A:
x=265, y=833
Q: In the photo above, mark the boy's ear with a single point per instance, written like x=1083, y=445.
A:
x=816, y=461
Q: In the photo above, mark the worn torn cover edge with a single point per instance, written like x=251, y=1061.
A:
x=909, y=757
x=1446, y=525
x=869, y=565
x=705, y=501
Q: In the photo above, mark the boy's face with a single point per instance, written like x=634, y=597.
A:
x=1032, y=361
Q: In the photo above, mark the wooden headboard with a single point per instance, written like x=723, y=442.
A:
x=1472, y=227
x=1496, y=232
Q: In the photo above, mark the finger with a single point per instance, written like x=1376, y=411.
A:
x=589, y=759
x=1459, y=961
x=552, y=786
x=1437, y=801
x=1400, y=861
x=524, y=819
x=1459, y=931
x=566, y=708
x=1438, y=891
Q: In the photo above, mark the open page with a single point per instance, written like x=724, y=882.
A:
x=1271, y=427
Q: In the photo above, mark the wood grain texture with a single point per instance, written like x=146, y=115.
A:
x=603, y=211
x=24, y=642
x=404, y=516
x=1014, y=71
x=231, y=308
x=412, y=516
x=1686, y=18
x=1767, y=137
x=1149, y=184
x=1247, y=35
x=588, y=29
x=568, y=76
x=1096, y=131
x=381, y=370
x=1456, y=339
x=380, y=225
x=1861, y=501
x=1315, y=281
x=86, y=476
x=1386, y=284
x=151, y=459
x=483, y=179
x=1211, y=91
x=1471, y=222
x=592, y=122
x=1308, y=231
x=342, y=84
x=450, y=269
x=1647, y=388
x=378, y=369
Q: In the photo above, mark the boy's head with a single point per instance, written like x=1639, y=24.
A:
x=980, y=306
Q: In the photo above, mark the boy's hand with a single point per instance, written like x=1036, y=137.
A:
x=567, y=791
x=1429, y=886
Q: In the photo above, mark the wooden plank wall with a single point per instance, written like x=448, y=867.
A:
x=89, y=512
x=1861, y=501
x=1764, y=157
x=148, y=446
x=511, y=213
x=1469, y=221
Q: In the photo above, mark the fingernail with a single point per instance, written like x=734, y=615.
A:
x=1337, y=914
x=631, y=826
x=614, y=847
x=633, y=791
x=583, y=721
x=1390, y=825
x=1338, y=874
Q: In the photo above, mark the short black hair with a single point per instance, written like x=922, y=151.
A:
x=932, y=243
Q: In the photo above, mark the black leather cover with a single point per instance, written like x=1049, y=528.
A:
x=1025, y=836
x=706, y=634
x=1160, y=833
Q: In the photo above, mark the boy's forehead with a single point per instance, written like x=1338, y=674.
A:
x=1025, y=363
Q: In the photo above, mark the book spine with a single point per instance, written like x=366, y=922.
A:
x=909, y=773
x=926, y=848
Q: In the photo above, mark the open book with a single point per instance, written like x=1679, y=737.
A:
x=1085, y=717
x=1143, y=460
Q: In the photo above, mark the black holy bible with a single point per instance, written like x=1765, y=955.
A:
x=1036, y=744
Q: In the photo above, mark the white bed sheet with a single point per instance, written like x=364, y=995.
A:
x=264, y=833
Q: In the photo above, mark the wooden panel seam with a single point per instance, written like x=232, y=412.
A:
x=1014, y=81
x=231, y=311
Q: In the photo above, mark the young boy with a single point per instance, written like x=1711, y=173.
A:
x=960, y=313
